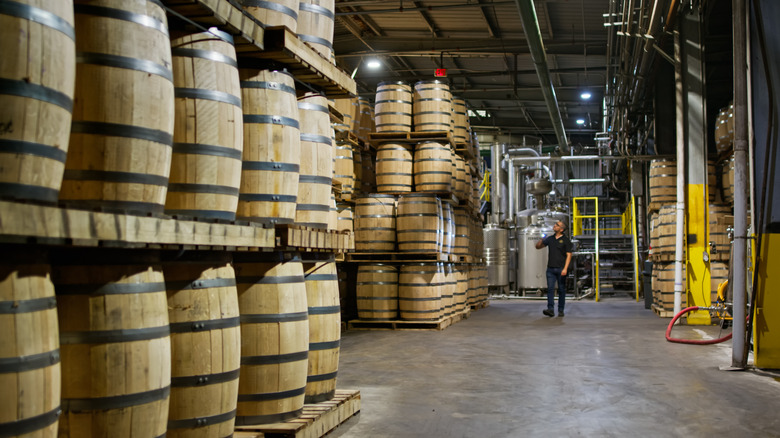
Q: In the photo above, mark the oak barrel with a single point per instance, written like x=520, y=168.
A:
x=420, y=291
x=315, y=24
x=462, y=241
x=394, y=163
x=272, y=147
x=375, y=223
x=432, y=106
x=115, y=344
x=393, y=107
x=377, y=291
x=37, y=78
x=316, y=172
x=322, y=294
x=419, y=223
x=663, y=288
x=461, y=120
x=462, y=283
x=449, y=289
x=432, y=167
x=344, y=170
x=448, y=228
x=345, y=217
x=119, y=157
x=30, y=351
x=274, y=340
x=663, y=183
x=205, y=345
x=208, y=131
x=720, y=244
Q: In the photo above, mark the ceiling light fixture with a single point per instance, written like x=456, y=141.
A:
x=585, y=95
x=580, y=121
x=373, y=63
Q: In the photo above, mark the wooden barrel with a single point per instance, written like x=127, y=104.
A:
x=115, y=344
x=472, y=295
x=274, y=12
x=449, y=289
x=719, y=273
x=375, y=223
x=461, y=189
x=720, y=244
x=393, y=107
x=345, y=219
x=119, y=156
x=203, y=311
x=36, y=97
x=663, y=183
x=722, y=140
x=315, y=25
x=461, y=231
x=208, y=133
x=461, y=291
x=448, y=228
x=368, y=172
x=460, y=120
x=366, y=123
x=654, y=231
x=30, y=350
x=394, y=163
x=419, y=223
x=432, y=106
x=664, y=285
x=432, y=167
x=272, y=147
x=349, y=109
x=377, y=291
x=419, y=292
x=333, y=213
x=357, y=166
x=344, y=170
x=274, y=340
x=316, y=173
x=322, y=293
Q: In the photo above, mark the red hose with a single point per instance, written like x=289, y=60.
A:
x=689, y=341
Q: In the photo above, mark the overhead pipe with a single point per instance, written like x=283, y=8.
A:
x=649, y=53
x=514, y=178
x=739, y=247
x=534, y=36
x=570, y=158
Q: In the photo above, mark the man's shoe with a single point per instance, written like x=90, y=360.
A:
x=548, y=312
x=560, y=314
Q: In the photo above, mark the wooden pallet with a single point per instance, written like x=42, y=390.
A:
x=398, y=324
x=227, y=15
x=316, y=421
x=30, y=223
x=305, y=63
x=480, y=305
x=377, y=138
x=313, y=239
x=661, y=312
x=398, y=257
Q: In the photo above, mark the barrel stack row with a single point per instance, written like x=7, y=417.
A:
x=135, y=122
x=663, y=229
x=418, y=291
x=129, y=345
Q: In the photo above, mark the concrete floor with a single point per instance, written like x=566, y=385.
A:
x=604, y=370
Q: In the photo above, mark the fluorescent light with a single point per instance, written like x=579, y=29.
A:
x=373, y=63
x=585, y=95
x=580, y=121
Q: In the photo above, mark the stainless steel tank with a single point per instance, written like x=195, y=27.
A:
x=497, y=255
x=532, y=262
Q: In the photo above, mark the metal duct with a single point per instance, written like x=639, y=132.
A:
x=534, y=37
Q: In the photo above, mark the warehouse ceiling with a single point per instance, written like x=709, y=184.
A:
x=482, y=46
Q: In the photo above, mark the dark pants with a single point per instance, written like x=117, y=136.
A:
x=553, y=276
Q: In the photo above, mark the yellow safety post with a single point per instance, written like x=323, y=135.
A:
x=697, y=253
x=636, y=247
x=766, y=346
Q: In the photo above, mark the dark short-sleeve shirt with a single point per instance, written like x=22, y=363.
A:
x=557, y=250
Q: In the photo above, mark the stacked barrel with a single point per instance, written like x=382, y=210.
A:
x=122, y=342
x=411, y=200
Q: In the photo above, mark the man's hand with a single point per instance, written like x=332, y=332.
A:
x=563, y=272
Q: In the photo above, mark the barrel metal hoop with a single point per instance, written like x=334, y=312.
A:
x=191, y=423
x=96, y=289
x=210, y=55
x=272, y=318
x=27, y=306
x=204, y=379
x=271, y=395
x=125, y=62
x=308, y=106
x=322, y=377
x=115, y=177
x=204, y=325
x=114, y=402
x=119, y=14
x=272, y=6
x=29, y=425
x=121, y=130
x=28, y=363
x=316, y=40
x=325, y=310
x=275, y=359
x=319, y=346
x=268, y=85
x=20, y=88
x=207, y=149
x=252, y=420
x=202, y=188
x=271, y=120
x=314, y=179
x=316, y=138
x=316, y=9
x=38, y=15
x=213, y=95
x=114, y=336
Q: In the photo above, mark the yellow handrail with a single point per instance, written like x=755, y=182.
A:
x=577, y=229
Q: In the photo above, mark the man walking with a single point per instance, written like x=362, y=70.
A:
x=557, y=266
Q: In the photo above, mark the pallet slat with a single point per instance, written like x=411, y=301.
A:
x=398, y=324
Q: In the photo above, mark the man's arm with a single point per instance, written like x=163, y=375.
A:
x=540, y=243
x=566, y=266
